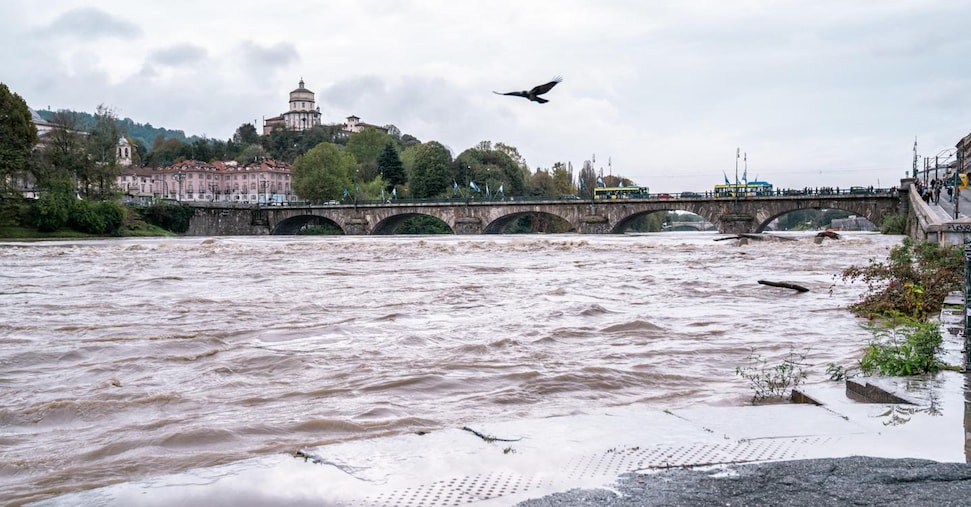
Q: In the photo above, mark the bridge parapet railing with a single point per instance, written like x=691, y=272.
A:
x=481, y=199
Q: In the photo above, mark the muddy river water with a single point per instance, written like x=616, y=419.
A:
x=122, y=359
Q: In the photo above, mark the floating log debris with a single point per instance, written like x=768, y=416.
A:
x=758, y=237
x=785, y=285
x=489, y=438
x=828, y=233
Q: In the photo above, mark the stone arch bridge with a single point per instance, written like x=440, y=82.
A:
x=730, y=215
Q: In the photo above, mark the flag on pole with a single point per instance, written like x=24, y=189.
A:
x=745, y=171
x=473, y=186
x=394, y=192
x=500, y=189
x=346, y=193
x=600, y=181
x=726, y=178
x=382, y=194
x=489, y=194
x=455, y=188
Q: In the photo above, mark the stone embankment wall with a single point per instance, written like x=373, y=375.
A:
x=221, y=222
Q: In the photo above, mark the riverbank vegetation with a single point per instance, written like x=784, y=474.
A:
x=68, y=217
x=773, y=382
x=904, y=296
x=913, y=281
x=894, y=224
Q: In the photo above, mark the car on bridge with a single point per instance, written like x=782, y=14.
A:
x=689, y=195
x=665, y=196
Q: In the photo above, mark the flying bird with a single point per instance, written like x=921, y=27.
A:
x=535, y=93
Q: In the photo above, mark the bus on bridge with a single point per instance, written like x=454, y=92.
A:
x=621, y=193
x=745, y=189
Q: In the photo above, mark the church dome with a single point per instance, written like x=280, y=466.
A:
x=301, y=93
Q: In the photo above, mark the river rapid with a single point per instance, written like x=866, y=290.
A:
x=123, y=359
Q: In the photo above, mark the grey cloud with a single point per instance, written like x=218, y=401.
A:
x=277, y=55
x=91, y=22
x=177, y=55
x=353, y=90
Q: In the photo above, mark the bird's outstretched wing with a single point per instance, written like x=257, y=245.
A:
x=535, y=93
x=517, y=94
x=543, y=88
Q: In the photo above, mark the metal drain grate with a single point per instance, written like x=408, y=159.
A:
x=457, y=491
x=607, y=465
x=629, y=459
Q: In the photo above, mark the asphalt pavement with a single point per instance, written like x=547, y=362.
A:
x=857, y=481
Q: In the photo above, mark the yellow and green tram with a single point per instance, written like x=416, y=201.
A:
x=747, y=189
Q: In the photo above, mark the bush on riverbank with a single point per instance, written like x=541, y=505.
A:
x=905, y=347
x=894, y=224
x=913, y=281
x=59, y=216
x=903, y=293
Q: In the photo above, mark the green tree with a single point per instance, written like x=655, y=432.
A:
x=53, y=208
x=165, y=151
x=408, y=140
x=63, y=157
x=251, y=153
x=202, y=150
x=374, y=190
x=563, y=179
x=431, y=174
x=102, y=169
x=139, y=151
x=18, y=135
x=323, y=172
x=282, y=144
x=490, y=167
x=390, y=166
x=587, y=180
x=366, y=146
x=541, y=183
x=246, y=134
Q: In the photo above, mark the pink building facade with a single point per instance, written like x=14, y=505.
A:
x=265, y=182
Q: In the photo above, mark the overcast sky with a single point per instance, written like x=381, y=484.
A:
x=815, y=92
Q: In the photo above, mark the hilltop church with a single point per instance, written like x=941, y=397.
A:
x=304, y=114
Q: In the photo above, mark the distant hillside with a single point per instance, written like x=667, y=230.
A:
x=146, y=133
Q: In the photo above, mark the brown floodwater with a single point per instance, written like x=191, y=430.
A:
x=129, y=358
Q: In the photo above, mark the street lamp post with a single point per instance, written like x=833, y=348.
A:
x=179, y=176
x=959, y=168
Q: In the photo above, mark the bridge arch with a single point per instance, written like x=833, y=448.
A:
x=389, y=226
x=293, y=225
x=540, y=220
x=625, y=223
x=872, y=214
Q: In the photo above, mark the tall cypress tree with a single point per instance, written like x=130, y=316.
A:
x=390, y=166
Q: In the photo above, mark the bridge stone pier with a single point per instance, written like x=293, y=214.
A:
x=732, y=216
